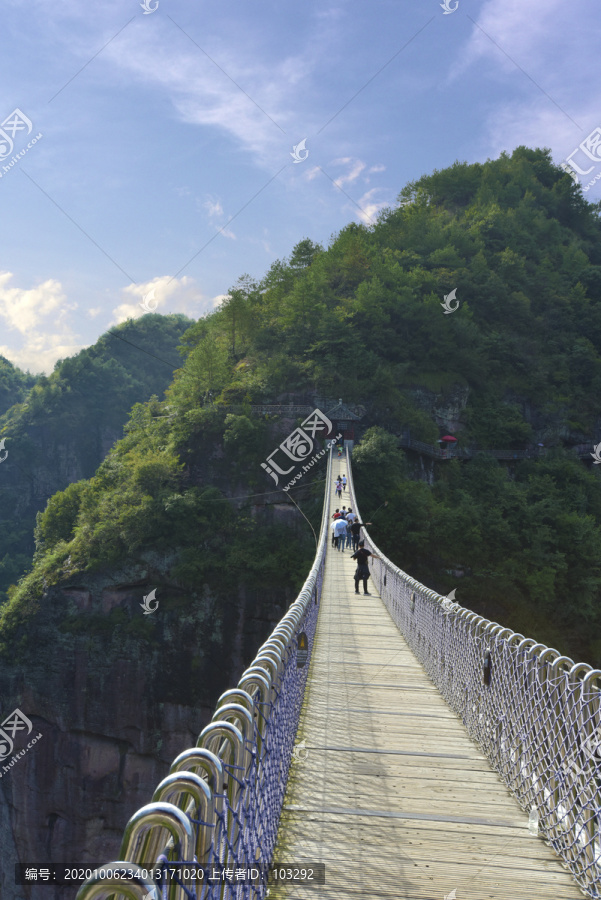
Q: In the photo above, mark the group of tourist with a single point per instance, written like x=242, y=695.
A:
x=346, y=530
x=340, y=486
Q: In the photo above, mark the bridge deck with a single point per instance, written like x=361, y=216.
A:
x=393, y=796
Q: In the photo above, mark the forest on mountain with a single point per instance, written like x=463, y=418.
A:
x=14, y=384
x=362, y=320
x=57, y=429
x=136, y=466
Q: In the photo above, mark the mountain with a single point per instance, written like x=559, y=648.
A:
x=181, y=504
x=59, y=428
x=14, y=384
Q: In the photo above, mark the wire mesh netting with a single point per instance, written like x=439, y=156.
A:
x=209, y=832
x=535, y=714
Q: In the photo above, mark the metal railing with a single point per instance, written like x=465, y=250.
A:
x=535, y=714
x=583, y=451
x=220, y=804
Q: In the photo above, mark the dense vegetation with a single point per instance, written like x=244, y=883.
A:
x=14, y=384
x=523, y=550
x=61, y=428
x=362, y=320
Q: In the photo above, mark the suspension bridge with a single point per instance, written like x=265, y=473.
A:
x=420, y=752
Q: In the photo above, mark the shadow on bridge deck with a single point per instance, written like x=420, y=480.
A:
x=390, y=792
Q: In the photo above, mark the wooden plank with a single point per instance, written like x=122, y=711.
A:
x=391, y=793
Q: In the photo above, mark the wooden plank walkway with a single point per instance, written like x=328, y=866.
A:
x=390, y=793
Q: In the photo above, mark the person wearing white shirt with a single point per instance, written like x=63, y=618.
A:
x=340, y=533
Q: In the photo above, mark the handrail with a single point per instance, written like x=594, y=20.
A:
x=452, y=452
x=535, y=714
x=227, y=793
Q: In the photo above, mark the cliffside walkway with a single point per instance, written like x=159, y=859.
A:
x=397, y=738
x=388, y=791
x=582, y=451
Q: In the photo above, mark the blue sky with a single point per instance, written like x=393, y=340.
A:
x=165, y=157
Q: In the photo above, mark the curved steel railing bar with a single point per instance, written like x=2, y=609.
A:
x=535, y=714
x=102, y=886
x=232, y=783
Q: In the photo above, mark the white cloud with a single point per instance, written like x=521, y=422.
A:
x=215, y=211
x=41, y=352
x=237, y=93
x=163, y=295
x=548, y=51
x=527, y=32
x=310, y=174
x=355, y=167
x=38, y=314
x=23, y=309
x=213, y=207
x=370, y=207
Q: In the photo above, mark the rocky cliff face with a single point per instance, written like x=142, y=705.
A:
x=446, y=410
x=115, y=695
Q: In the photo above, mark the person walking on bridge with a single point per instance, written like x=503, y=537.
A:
x=349, y=533
x=339, y=490
x=335, y=516
x=344, y=482
x=356, y=531
x=339, y=533
x=362, y=571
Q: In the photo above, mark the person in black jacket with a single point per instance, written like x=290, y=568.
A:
x=356, y=531
x=362, y=571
